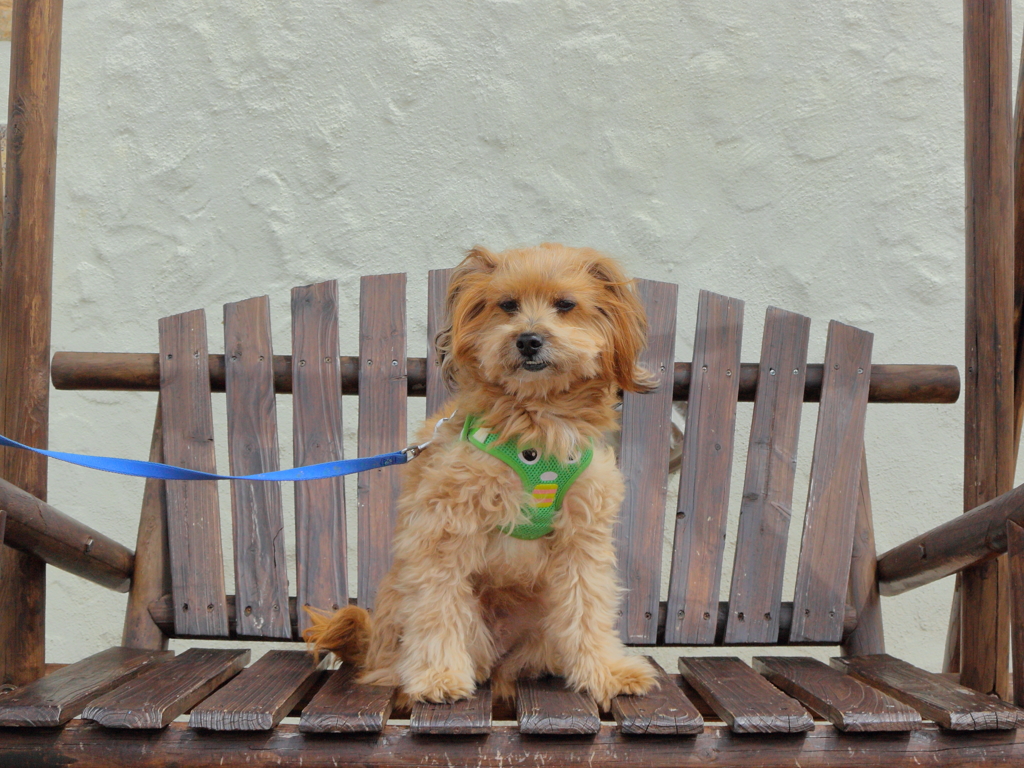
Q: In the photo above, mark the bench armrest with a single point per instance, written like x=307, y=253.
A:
x=965, y=540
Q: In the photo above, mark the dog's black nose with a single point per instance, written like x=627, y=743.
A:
x=529, y=344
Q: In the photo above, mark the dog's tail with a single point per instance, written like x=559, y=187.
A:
x=346, y=633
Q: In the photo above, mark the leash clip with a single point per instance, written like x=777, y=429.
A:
x=415, y=450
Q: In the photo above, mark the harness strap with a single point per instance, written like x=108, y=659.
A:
x=545, y=479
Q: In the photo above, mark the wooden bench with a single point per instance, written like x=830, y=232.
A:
x=125, y=706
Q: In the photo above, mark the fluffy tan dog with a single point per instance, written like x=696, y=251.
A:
x=540, y=343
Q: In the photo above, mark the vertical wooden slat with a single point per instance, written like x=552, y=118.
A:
x=193, y=508
x=767, y=504
x=261, y=578
x=1015, y=557
x=989, y=460
x=151, y=578
x=705, y=472
x=437, y=291
x=382, y=420
x=823, y=572
x=318, y=437
x=643, y=459
x=26, y=276
x=868, y=637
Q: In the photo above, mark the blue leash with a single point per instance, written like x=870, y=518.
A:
x=167, y=472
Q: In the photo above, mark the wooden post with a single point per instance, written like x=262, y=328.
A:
x=25, y=288
x=988, y=380
x=1015, y=556
x=868, y=637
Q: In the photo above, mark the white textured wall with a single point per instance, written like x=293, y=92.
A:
x=802, y=154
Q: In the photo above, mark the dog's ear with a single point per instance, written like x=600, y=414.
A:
x=463, y=303
x=622, y=306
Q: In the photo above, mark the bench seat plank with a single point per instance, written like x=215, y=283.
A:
x=318, y=436
x=547, y=707
x=261, y=696
x=193, y=509
x=382, y=422
x=437, y=318
x=344, y=706
x=742, y=698
x=464, y=717
x=936, y=697
x=823, y=571
x=767, y=501
x=703, y=504
x=663, y=711
x=57, y=698
x=261, y=579
x=643, y=460
x=154, y=699
x=848, y=703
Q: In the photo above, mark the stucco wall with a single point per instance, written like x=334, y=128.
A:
x=807, y=155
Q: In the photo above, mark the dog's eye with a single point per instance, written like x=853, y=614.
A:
x=509, y=305
x=564, y=305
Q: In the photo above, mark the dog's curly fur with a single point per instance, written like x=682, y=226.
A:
x=464, y=601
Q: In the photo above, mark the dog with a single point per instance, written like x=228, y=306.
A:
x=504, y=560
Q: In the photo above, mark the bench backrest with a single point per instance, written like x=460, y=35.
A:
x=693, y=614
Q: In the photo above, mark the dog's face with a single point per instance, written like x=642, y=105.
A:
x=539, y=320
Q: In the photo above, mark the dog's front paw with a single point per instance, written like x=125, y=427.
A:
x=625, y=675
x=440, y=685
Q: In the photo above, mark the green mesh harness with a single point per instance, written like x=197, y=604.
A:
x=545, y=478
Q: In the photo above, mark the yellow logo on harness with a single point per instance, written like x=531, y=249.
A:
x=544, y=494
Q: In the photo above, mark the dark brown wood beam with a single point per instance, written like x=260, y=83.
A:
x=26, y=276
x=33, y=526
x=162, y=613
x=87, y=745
x=989, y=455
x=967, y=540
x=141, y=372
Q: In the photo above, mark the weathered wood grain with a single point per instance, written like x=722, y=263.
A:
x=321, y=548
x=936, y=697
x=156, y=697
x=702, y=512
x=742, y=698
x=989, y=451
x=151, y=577
x=862, y=594
x=382, y=421
x=58, y=539
x=547, y=707
x=57, y=698
x=458, y=718
x=344, y=706
x=1015, y=552
x=86, y=746
x=643, y=460
x=849, y=704
x=437, y=291
x=133, y=371
x=767, y=504
x=261, y=578
x=193, y=508
x=261, y=695
x=26, y=279
x=664, y=711
x=823, y=572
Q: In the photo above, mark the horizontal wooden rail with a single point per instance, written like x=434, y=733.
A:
x=138, y=371
x=49, y=534
x=86, y=745
x=162, y=612
x=965, y=540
